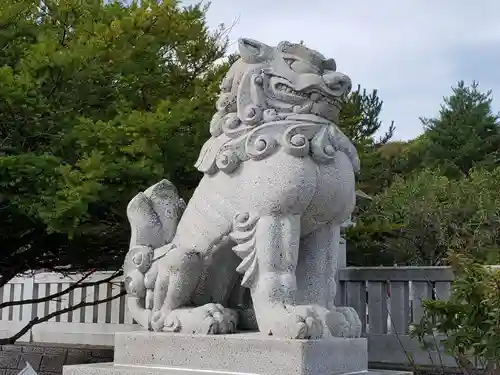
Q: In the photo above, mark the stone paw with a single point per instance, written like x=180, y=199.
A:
x=209, y=319
x=344, y=322
x=213, y=319
x=297, y=322
x=158, y=321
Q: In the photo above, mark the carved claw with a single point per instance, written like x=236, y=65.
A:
x=308, y=324
x=344, y=322
x=209, y=319
x=295, y=322
x=217, y=320
x=167, y=323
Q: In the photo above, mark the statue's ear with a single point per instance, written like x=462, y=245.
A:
x=330, y=64
x=252, y=51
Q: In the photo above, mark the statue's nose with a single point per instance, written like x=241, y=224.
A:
x=338, y=82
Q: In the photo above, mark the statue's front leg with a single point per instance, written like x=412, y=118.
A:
x=316, y=280
x=178, y=275
x=270, y=252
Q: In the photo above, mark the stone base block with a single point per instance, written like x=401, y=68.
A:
x=110, y=369
x=252, y=353
x=150, y=353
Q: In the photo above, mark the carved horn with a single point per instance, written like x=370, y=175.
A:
x=253, y=51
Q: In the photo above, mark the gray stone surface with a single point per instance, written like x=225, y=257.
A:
x=110, y=369
x=242, y=353
x=279, y=180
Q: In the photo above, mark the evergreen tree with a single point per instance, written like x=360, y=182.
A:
x=465, y=134
x=359, y=120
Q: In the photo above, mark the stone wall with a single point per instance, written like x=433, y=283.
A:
x=48, y=359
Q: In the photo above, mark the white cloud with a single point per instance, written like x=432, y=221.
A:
x=407, y=49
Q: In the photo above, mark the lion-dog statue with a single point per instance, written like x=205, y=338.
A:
x=257, y=244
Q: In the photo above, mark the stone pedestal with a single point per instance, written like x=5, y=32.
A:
x=148, y=353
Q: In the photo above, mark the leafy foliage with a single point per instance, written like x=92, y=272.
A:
x=98, y=100
x=469, y=320
x=380, y=165
x=435, y=194
x=419, y=221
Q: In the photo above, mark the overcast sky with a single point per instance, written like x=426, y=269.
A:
x=412, y=51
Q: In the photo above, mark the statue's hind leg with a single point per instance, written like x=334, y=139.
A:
x=203, y=225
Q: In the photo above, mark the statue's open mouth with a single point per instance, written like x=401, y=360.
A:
x=285, y=92
x=288, y=91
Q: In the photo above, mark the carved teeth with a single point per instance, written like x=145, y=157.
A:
x=289, y=90
x=318, y=96
x=314, y=96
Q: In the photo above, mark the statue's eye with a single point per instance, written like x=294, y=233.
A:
x=289, y=60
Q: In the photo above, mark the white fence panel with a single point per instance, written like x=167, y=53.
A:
x=387, y=299
x=90, y=325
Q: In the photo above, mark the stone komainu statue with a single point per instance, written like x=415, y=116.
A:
x=264, y=222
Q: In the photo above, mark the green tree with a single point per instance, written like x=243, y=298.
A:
x=424, y=219
x=467, y=323
x=380, y=165
x=359, y=120
x=465, y=134
x=98, y=100
x=411, y=159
